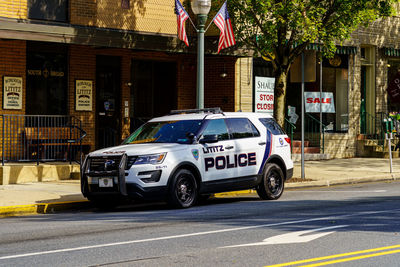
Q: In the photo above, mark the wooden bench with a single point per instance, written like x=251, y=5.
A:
x=52, y=142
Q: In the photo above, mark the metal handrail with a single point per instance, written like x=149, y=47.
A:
x=289, y=129
x=312, y=128
x=41, y=138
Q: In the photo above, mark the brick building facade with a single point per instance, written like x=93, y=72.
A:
x=128, y=45
x=134, y=44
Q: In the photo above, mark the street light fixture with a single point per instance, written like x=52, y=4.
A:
x=201, y=9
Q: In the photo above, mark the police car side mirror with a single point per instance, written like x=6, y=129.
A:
x=212, y=138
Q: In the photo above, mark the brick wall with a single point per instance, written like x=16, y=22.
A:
x=244, y=84
x=219, y=91
x=13, y=9
x=13, y=63
x=83, y=12
x=147, y=16
x=82, y=65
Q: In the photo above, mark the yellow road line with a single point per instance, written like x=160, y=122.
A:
x=353, y=258
x=338, y=256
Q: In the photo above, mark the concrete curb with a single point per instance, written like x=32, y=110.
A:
x=41, y=208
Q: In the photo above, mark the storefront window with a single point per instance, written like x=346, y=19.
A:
x=335, y=84
x=46, y=83
x=394, y=86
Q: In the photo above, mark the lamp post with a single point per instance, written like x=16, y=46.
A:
x=201, y=9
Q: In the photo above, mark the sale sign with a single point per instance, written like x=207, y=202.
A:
x=315, y=100
x=264, y=95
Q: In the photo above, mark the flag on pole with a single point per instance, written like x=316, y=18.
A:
x=182, y=16
x=223, y=22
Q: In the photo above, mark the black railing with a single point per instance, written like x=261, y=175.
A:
x=39, y=138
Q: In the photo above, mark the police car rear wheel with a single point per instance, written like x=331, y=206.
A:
x=183, y=190
x=272, y=185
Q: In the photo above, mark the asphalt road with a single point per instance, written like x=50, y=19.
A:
x=356, y=225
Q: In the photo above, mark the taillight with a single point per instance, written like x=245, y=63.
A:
x=287, y=139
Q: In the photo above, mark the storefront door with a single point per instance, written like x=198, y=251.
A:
x=108, y=112
x=153, y=90
x=363, y=109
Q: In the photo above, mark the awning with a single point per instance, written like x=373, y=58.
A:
x=391, y=52
x=340, y=50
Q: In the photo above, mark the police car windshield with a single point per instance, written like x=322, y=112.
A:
x=165, y=132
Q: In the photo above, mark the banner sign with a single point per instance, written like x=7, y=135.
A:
x=83, y=95
x=313, y=102
x=12, y=92
x=264, y=95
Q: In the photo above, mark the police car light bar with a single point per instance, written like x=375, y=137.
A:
x=203, y=110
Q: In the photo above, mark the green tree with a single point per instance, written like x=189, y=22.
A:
x=280, y=30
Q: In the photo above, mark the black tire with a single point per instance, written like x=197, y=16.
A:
x=183, y=190
x=272, y=184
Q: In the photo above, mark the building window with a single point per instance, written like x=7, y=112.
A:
x=125, y=4
x=46, y=83
x=334, y=81
x=48, y=10
x=394, y=85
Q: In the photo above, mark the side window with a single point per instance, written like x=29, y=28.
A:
x=241, y=128
x=272, y=125
x=217, y=127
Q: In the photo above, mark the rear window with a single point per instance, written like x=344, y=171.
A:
x=241, y=128
x=272, y=125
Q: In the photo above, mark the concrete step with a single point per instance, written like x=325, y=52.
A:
x=297, y=143
x=312, y=156
x=307, y=150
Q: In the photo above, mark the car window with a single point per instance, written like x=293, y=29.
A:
x=241, y=128
x=272, y=125
x=217, y=127
x=165, y=132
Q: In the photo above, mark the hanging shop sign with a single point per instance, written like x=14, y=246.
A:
x=264, y=95
x=83, y=95
x=313, y=102
x=12, y=92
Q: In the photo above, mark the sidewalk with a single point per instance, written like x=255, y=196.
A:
x=48, y=197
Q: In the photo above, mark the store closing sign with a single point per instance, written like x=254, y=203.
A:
x=264, y=95
x=313, y=102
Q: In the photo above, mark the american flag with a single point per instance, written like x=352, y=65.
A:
x=223, y=22
x=182, y=16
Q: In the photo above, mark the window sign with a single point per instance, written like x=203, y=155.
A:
x=264, y=95
x=313, y=102
x=12, y=92
x=84, y=95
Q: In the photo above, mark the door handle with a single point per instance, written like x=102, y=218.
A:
x=228, y=147
x=262, y=143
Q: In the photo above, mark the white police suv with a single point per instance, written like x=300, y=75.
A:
x=188, y=155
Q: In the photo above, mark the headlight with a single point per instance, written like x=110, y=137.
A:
x=150, y=159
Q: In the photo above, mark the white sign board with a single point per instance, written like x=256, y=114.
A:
x=83, y=95
x=313, y=102
x=264, y=95
x=12, y=92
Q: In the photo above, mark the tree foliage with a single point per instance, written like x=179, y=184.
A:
x=280, y=30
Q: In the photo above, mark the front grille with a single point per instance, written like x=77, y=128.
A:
x=104, y=164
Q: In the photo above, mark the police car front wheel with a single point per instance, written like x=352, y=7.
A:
x=272, y=184
x=183, y=190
